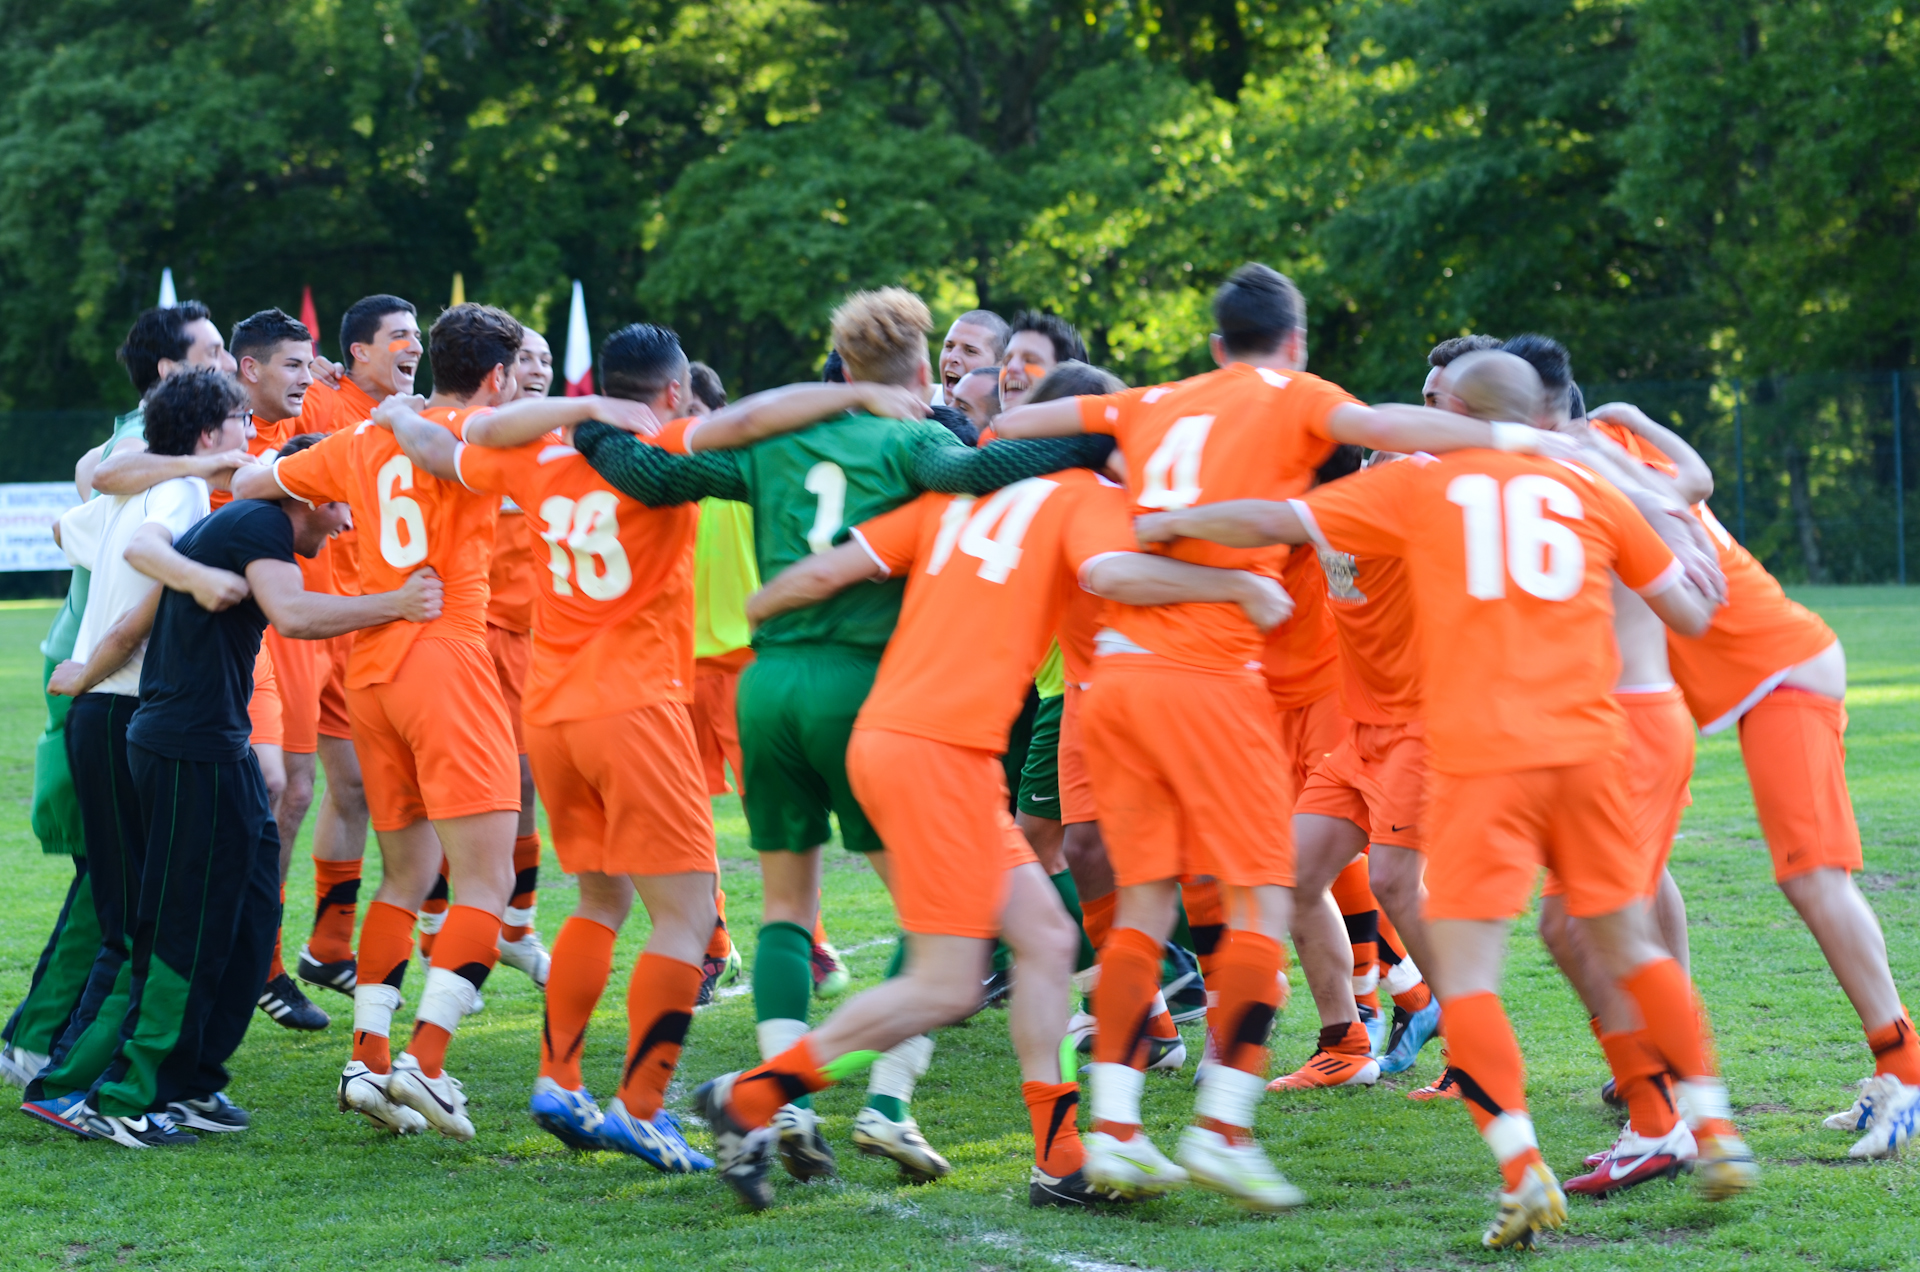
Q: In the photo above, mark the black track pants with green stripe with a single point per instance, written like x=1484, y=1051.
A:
x=203, y=937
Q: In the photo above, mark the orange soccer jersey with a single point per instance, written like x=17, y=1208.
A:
x=1243, y=432
x=1509, y=557
x=510, y=573
x=1301, y=658
x=330, y=411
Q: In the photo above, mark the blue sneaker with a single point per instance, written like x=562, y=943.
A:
x=59, y=1110
x=659, y=1143
x=569, y=1116
x=1411, y=1031
x=1379, y=1030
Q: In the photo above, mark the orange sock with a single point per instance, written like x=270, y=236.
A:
x=1640, y=1079
x=1894, y=1049
x=1392, y=954
x=1160, y=1023
x=1207, y=920
x=760, y=1091
x=526, y=885
x=660, y=999
x=1665, y=997
x=1492, y=1074
x=582, y=961
x=721, y=943
x=1246, y=997
x=1054, y=1108
x=433, y=912
x=819, y=928
x=1123, y=996
x=337, y=888
x=386, y=944
x=277, y=969
x=468, y=947
x=1098, y=918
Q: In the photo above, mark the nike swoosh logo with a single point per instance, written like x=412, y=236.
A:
x=1042, y=799
x=1138, y=1164
x=1398, y=829
x=1618, y=1172
x=444, y=1106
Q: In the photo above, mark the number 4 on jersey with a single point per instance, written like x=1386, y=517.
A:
x=992, y=534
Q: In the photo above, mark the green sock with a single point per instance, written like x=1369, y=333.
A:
x=895, y=1110
x=1002, y=956
x=1182, y=934
x=783, y=976
x=899, y=959
x=1070, y=897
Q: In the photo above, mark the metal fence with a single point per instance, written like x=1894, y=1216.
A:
x=1812, y=471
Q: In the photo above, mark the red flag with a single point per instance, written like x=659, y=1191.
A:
x=578, y=367
x=310, y=317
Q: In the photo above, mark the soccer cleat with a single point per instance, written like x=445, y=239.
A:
x=877, y=1135
x=1330, y=1069
x=1634, y=1159
x=716, y=972
x=214, y=1113
x=1241, y=1171
x=1070, y=1190
x=1537, y=1203
x=149, y=1130
x=20, y=1066
x=441, y=1101
x=1132, y=1168
x=994, y=990
x=1859, y=1118
x=59, y=1110
x=1412, y=1030
x=1184, y=990
x=1725, y=1167
x=830, y=973
x=658, y=1141
x=1166, y=1055
x=571, y=1117
x=529, y=956
x=288, y=1007
x=1441, y=1088
x=742, y=1156
x=364, y=1092
x=341, y=975
x=803, y=1149
x=1896, y=1108
x=1378, y=1027
x=1610, y=1095
x=1081, y=1027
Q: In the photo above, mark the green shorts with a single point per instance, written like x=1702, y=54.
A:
x=1040, y=776
x=796, y=705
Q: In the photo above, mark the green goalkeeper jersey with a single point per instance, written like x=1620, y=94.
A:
x=807, y=488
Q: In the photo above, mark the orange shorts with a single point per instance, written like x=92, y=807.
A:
x=1076, y=787
x=263, y=708
x=434, y=741
x=716, y=720
x=512, y=654
x=623, y=792
x=1187, y=772
x=1794, y=743
x=1488, y=834
x=297, y=668
x=950, y=840
x=1658, y=764
x=1308, y=735
x=1376, y=778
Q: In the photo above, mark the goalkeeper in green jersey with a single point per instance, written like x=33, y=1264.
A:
x=813, y=667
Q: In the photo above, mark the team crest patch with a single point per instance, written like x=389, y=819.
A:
x=1342, y=573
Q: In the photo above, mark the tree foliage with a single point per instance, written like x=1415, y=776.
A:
x=1675, y=189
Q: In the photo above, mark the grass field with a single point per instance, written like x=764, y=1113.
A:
x=1393, y=1184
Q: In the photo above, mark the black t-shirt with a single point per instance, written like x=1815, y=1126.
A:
x=198, y=675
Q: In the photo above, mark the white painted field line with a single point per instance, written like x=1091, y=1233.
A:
x=746, y=985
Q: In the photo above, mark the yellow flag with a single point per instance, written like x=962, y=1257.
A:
x=459, y=290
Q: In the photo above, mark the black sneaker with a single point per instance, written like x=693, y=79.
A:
x=341, y=976
x=994, y=990
x=742, y=1157
x=214, y=1113
x=804, y=1151
x=1074, y=1190
x=1185, y=991
x=149, y=1130
x=283, y=1001
x=1610, y=1095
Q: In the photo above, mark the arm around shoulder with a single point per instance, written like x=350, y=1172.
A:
x=303, y=615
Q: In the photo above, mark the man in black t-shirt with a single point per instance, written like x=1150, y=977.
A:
x=210, y=893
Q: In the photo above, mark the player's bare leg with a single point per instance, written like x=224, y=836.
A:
x=1670, y=915
x=1047, y=838
x=295, y=802
x=1323, y=847
x=1840, y=919
x=339, y=846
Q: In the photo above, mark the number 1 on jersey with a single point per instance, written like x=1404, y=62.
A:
x=827, y=483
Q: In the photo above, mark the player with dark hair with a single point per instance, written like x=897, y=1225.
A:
x=1036, y=344
x=977, y=338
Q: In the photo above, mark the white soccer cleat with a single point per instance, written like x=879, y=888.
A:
x=1081, y=1027
x=1241, y=1171
x=877, y=1135
x=20, y=1066
x=1859, y=1118
x=1536, y=1204
x=1132, y=1168
x=441, y=1101
x=364, y=1092
x=529, y=956
x=1896, y=1109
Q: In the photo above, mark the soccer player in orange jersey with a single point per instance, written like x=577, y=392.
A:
x=1509, y=557
x=990, y=576
x=613, y=751
x=1180, y=733
x=429, y=725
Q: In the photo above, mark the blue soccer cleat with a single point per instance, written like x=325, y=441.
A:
x=62, y=1111
x=569, y=1116
x=658, y=1142
x=1412, y=1031
x=1379, y=1029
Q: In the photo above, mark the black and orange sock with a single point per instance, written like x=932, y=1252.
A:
x=1665, y=998
x=760, y=1091
x=660, y=999
x=526, y=888
x=336, y=897
x=468, y=947
x=1207, y=920
x=1123, y=997
x=386, y=945
x=582, y=961
x=1097, y=918
x=1894, y=1049
x=1486, y=1062
x=433, y=911
x=721, y=943
x=1246, y=998
x=1054, y=1109
x=1639, y=1079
